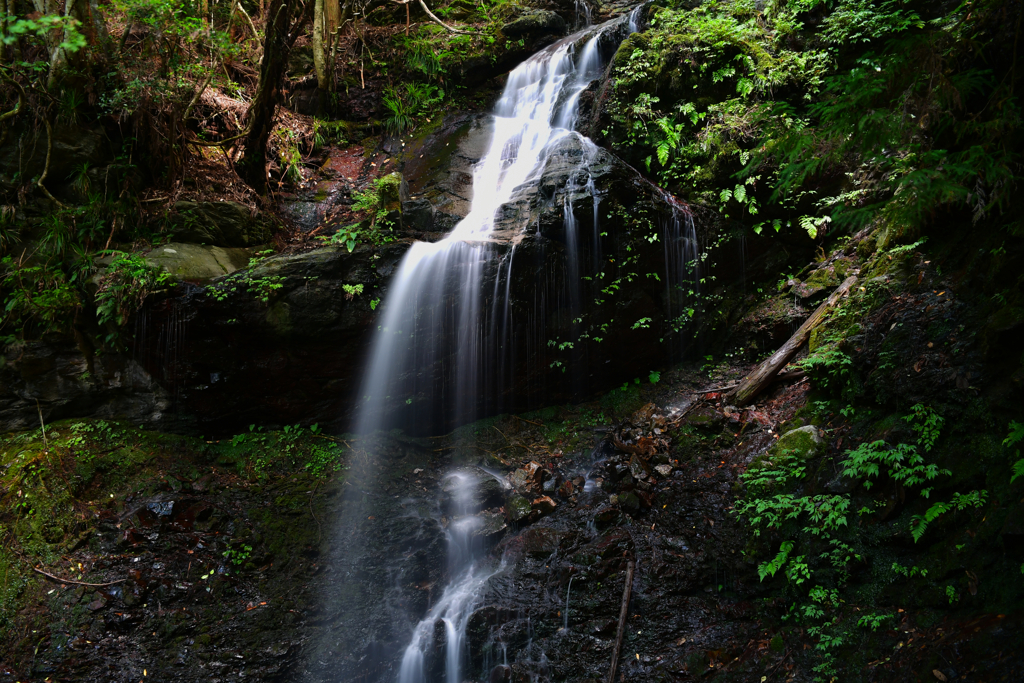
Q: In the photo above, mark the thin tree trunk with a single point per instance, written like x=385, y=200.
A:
x=332, y=22
x=93, y=27
x=319, y=49
x=765, y=373
x=253, y=165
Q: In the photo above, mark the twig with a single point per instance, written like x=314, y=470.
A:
x=529, y=421
x=219, y=143
x=437, y=21
x=46, y=165
x=252, y=26
x=21, y=99
x=42, y=426
x=711, y=391
x=77, y=583
x=318, y=528
x=623, y=611
x=113, y=227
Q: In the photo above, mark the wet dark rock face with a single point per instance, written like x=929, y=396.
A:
x=558, y=306
x=217, y=362
x=199, y=360
x=70, y=383
x=23, y=155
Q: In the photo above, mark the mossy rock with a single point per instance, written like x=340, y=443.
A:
x=534, y=24
x=195, y=262
x=392, y=190
x=221, y=224
x=803, y=443
x=518, y=509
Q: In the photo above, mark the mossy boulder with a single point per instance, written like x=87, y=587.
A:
x=803, y=443
x=518, y=509
x=534, y=24
x=196, y=262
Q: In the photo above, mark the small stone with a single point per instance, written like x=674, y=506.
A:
x=629, y=502
x=517, y=509
x=638, y=468
x=519, y=479
x=663, y=470
x=613, y=499
x=417, y=470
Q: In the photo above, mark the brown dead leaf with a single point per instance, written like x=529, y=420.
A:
x=939, y=675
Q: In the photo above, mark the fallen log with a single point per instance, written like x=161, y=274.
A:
x=623, y=611
x=765, y=373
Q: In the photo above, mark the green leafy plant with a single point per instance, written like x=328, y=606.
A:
x=128, y=280
x=260, y=287
x=1016, y=436
x=399, y=116
x=238, y=555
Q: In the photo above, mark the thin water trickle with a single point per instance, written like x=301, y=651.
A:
x=470, y=574
x=565, y=616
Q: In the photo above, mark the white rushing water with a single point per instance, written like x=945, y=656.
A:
x=460, y=598
x=435, y=293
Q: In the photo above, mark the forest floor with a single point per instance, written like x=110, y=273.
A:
x=191, y=560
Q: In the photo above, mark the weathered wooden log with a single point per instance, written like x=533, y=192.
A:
x=765, y=373
x=627, y=590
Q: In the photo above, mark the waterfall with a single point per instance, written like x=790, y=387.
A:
x=460, y=598
x=432, y=351
x=435, y=305
x=449, y=340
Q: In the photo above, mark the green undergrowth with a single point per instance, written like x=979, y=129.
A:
x=907, y=500
x=784, y=115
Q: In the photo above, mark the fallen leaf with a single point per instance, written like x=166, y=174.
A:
x=939, y=675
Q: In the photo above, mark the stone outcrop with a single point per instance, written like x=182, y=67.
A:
x=196, y=262
x=534, y=24
x=219, y=224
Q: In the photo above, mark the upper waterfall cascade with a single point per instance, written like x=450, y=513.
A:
x=444, y=341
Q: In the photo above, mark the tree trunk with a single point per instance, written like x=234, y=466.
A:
x=253, y=166
x=93, y=28
x=765, y=373
x=332, y=22
x=320, y=49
